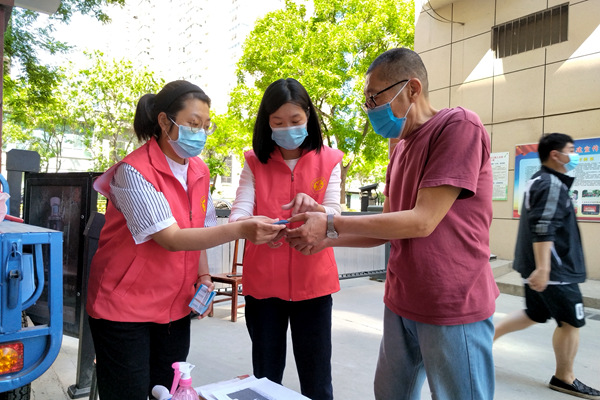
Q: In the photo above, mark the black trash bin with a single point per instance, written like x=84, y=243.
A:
x=367, y=197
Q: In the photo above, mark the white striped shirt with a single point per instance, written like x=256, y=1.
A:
x=146, y=210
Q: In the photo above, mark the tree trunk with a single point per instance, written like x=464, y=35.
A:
x=213, y=186
x=345, y=169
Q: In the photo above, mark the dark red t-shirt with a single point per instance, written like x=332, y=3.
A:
x=445, y=278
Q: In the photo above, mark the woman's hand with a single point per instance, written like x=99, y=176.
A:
x=303, y=203
x=205, y=280
x=260, y=230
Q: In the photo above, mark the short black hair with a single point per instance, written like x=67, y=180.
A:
x=278, y=93
x=170, y=100
x=552, y=141
x=401, y=63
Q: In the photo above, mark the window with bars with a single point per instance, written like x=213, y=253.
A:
x=532, y=31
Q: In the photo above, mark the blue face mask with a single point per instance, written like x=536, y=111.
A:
x=188, y=144
x=573, y=161
x=383, y=120
x=289, y=137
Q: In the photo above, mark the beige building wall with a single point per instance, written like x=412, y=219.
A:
x=550, y=89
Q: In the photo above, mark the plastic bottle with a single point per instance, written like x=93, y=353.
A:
x=161, y=393
x=184, y=380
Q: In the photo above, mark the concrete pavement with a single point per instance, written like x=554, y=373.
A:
x=221, y=349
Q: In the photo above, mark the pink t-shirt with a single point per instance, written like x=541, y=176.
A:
x=445, y=278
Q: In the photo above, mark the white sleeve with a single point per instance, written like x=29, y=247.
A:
x=243, y=205
x=331, y=201
x=146, y=210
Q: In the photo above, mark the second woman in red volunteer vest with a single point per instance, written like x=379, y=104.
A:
x=289, y=171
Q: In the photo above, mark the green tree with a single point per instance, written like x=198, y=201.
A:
x=37, y=118
x=329, y=53
x=105, y=97
x=40, y=129
x=96, y=103
x=224, y=143
x=26, y=37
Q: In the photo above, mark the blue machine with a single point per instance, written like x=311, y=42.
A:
x=27, y=352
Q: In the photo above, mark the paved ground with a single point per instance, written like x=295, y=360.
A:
x=221, y=349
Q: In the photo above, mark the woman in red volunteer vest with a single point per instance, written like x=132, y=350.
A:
x=289, y=171
x=158, y=219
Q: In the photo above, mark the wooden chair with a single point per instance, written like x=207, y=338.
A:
x=233, y=278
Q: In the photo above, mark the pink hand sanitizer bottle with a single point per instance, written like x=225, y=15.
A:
x=184, y=380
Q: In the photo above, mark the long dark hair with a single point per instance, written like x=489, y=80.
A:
x=170, y=100
x=277, y=94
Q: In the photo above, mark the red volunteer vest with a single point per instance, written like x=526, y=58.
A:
x=145, y=282
x=284, y=272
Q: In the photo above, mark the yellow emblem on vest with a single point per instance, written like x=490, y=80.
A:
x=318, y=184
x=203, y=203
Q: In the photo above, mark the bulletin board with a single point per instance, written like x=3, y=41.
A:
x=585, y=191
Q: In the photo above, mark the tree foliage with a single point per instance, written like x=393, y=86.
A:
x=104, y=98
x=329, y=52
x=223, y=143
x=95, y=104
x=37, y=112
x=40, y=129
x=26, y=38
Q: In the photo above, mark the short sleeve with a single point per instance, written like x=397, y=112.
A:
x=457, y=156
x=211, y=213
x=146, y=210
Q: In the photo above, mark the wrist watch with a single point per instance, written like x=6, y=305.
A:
x=331, y=232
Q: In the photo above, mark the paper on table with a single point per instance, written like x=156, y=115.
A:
x=207, y=390
x=249, y=389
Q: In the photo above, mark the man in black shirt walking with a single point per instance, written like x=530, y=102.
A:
x=549, y=257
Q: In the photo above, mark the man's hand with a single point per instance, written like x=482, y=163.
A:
x=277, y=241
x=302, y=203
x=310, y=234
x=538, y=280
x=309, y=250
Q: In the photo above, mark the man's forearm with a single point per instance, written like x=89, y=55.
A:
x=354, y=241
x=542, y=251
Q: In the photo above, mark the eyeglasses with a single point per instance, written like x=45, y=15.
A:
x=208, y=130
x=371, y=104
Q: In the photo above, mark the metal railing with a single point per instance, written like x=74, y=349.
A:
x=352, y=262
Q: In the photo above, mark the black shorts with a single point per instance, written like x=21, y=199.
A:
x=561, y=302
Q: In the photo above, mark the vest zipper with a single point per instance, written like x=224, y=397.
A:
x=292, y=193
x=189, y=203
